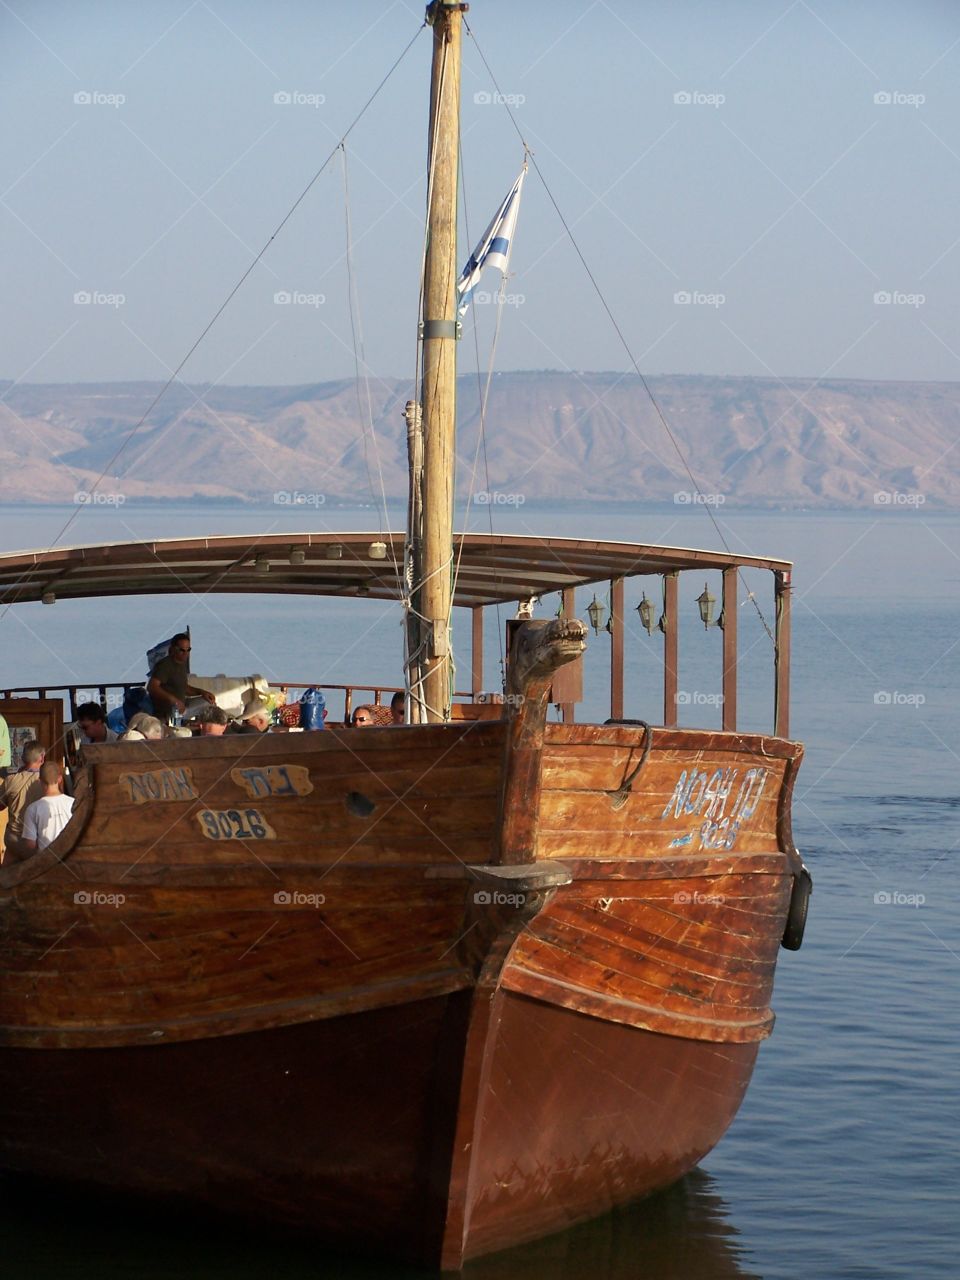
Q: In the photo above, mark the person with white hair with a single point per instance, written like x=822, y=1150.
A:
x=142, y=727
x=256, y=718
x=19, y=790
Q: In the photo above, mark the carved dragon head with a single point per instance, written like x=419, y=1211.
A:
x=542, y=645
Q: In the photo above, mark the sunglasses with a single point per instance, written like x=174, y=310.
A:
x=363, y=720
x=178, y=648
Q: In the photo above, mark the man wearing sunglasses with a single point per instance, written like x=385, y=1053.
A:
x=169, y=683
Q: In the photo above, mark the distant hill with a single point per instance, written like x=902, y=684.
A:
x=757, y=442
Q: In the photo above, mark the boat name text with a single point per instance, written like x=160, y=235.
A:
x=705, y=795
x=235, y=824
x=274, y=780
x=160, y=784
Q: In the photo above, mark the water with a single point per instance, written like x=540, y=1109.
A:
x=844, y=1160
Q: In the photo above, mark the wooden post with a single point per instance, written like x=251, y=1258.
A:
x=439, y=359
x=671, y=649
x=570, y=608
x=413, y=555
x=534, y=663
x=730, y=648
x=476, y=651
x=781, y=698
x=616, y=649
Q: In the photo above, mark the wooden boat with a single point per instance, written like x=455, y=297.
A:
x=433, y=989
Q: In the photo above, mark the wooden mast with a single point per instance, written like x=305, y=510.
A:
x=439, y=364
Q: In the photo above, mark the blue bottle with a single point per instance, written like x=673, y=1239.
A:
x=311, y=709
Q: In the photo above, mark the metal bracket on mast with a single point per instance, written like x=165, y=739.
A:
x=439, y=638
x=440, y=329
x=432, y=9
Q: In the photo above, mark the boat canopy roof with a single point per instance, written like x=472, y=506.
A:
x=488, y=568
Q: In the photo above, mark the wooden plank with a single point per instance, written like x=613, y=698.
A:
x=697, y=958
x=235, y=1022
x=784, y=590
x=476, y=651
x=730, y=618
x=597, y=845
x=602, y=767
x=616, y=648
x=670, y=739
x=378, y=849
x=555, y=991
x=589, y=873
x=185, y=958
x=671, y=647
x=567, y=688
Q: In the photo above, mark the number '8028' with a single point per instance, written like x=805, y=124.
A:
x=233, y=824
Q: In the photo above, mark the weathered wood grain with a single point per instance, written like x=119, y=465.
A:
x=629, y=932
x=697, y=955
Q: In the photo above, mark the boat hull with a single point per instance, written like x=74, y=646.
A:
x=578, y=1115
x=345, y=1128
x=340, y=1128
x=372, y=1024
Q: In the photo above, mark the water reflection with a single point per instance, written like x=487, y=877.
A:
x=681, y=1234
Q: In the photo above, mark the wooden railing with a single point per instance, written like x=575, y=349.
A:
x=110, y=695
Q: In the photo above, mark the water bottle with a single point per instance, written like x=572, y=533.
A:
x=312, y=706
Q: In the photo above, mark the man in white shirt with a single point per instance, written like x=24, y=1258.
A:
x=46, y=817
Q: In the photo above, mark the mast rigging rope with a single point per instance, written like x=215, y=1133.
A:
x=619, y=332
x=128, y=439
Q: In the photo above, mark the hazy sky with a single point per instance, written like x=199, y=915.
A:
x=782, y=164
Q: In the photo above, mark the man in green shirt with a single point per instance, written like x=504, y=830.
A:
x=169, y=684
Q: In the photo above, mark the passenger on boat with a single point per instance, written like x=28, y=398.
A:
x=169, y=683
x=92, y=723
x=135, y=698
x=5, y=760
x=18, y=791
x=46, y=817
x=370, y=716
x=142, y=727
x=255, y=718
x=213, y=721
x=397, y=708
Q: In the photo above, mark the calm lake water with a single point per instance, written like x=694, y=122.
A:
x=844, y=1160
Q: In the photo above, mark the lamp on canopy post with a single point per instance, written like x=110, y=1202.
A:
x=645, y=610
x=596, y=614
x=707, y=603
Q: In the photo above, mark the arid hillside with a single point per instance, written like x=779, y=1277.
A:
x=549, y=436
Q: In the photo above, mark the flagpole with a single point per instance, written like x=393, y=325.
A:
x=439, y=367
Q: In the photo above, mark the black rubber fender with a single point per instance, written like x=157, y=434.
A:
x=797, y=914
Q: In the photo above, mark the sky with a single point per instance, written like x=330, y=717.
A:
x=759, y=188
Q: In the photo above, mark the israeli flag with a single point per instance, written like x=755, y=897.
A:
x=494, y=249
